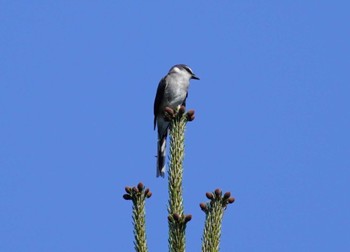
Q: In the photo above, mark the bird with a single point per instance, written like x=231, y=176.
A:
x=172, y=92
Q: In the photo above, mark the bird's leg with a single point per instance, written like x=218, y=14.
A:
x=169, y=114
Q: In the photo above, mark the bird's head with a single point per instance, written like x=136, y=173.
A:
x=184, y=71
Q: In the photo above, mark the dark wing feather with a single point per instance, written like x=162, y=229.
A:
x=158, y=99
x=184, y=103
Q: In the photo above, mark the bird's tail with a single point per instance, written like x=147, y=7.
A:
x=161, y=155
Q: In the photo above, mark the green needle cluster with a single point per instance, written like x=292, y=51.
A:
x=177, y=220
x=214, y=212
x=138, y=196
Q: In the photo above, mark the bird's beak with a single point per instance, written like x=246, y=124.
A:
x=194, y=77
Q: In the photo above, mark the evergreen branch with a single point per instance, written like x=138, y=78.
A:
x=177, y=219
x=214, y=211
x=138, y=196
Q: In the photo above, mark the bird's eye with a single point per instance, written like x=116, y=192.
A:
x=188, y=70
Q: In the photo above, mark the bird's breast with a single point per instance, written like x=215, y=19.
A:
x=176, y=93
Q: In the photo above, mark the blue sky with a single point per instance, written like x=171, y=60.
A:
x=77, y=85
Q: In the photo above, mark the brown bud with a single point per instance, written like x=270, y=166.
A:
x=169, y=110
x=218, y=193
x=135, y=190
x=168, y=114
x=231, y=200
x=209, y=195
x=176, y=217
x=188, y=218
x=190, y=115
x=140, y=186
x=182, y=110
x=227, y=195
x=148, y=195
x=127, y=197
x=190, y=112
x=203, y=206
x=127, y=189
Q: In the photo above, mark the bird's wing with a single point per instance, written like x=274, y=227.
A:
x=158, y=99
x=184, y=102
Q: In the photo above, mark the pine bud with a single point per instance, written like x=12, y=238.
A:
x=140, y=186
x=209, y=195
x=231, y=200
x=227, y=195
x=127, y=197
x=218, y=193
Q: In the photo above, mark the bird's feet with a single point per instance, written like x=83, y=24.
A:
x=170, y=114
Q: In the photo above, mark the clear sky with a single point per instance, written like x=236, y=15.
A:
x=77, y=85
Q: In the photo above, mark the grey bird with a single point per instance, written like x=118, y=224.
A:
x=172, y=92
